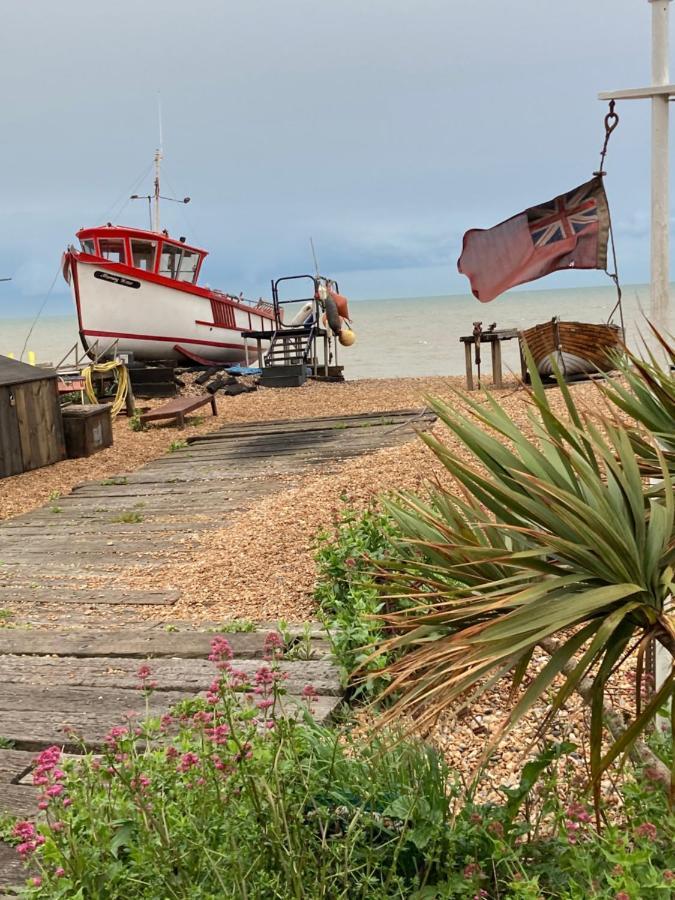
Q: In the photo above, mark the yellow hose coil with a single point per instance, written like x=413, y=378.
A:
x=122, y=375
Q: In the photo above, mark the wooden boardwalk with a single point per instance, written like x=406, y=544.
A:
x=71, y=660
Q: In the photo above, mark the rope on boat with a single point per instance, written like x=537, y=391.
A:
x=122, y=378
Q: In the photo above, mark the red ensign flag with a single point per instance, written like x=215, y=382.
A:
x=569, y=232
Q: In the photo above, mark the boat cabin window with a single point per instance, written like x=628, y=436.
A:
x=178, y=262
x=169, y=261
x=143, y=254
x=112, y=249
x=188, y=266
x=88, y=247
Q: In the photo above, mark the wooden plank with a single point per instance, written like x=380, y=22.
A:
x=34, y=717
x=12, y=871
x=18, y=799
x=170, y=674
x=11, y=462
x=14, y=764
x=138, y=644
x=47, y=594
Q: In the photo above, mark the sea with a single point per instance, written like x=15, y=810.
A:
x=415, y=336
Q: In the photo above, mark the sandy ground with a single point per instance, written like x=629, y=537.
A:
x=260, y=565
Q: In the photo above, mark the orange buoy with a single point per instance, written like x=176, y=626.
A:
x=341, y=302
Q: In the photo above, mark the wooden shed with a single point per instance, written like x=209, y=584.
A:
x=31, y=426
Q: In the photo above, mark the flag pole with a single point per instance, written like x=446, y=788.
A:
x=660, y=242
x=660, y=93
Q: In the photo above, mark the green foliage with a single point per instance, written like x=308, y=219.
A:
x=6, y=743
x=54, y=495
x=135, y=423
x=115, y=480
x=554, y=538
x=347, y=594
x=177, y=445
x=210, y=805
x=130, y=517
x=235, y=626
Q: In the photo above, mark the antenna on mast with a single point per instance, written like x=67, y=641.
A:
x=316, y=261
x=154, y=198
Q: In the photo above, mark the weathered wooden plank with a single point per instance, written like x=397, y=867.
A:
x=13, y=766
x=18, y=800
x=170, y=674
x=108, y=597
x=12, y=871
x=138, y=644
x=34, y=717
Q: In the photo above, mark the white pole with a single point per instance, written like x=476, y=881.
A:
x=660, y=243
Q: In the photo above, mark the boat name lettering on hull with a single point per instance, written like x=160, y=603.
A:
x=117, y=279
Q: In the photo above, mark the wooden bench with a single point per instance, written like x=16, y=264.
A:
x=178, y=409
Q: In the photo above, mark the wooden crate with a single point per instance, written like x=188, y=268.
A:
x=87, y=429
x=31, y=429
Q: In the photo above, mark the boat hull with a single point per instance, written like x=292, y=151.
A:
x=121, y=309
x=574, y=348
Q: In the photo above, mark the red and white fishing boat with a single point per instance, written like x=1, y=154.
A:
x=136, y=291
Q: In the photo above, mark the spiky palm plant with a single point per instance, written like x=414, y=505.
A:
x=645, y=391
x=553, y=538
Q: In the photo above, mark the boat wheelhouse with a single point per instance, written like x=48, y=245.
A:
x=137, y=292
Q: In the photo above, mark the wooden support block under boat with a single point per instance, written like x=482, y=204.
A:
x=577, y=348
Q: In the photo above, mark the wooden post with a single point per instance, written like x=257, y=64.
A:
x=130, y=400
x=469, y=369
x=497, y=363
x=260, y=353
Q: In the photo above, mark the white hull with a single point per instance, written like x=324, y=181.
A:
x=565, y=362
x=154, y=321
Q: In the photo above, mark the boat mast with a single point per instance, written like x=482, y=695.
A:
x=158, y=160
x=155, y=208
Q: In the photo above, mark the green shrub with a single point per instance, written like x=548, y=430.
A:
x=227, y=799
x=347, y=594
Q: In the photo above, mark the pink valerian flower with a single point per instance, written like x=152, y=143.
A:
x=25, y=830
x=188, y=760
x=310, y=693
x=171, y=753
x=646, y=830
x=166, y=721
x=668, y=875
x=67, y=802
x=622, y=895
x=264, y=677
x=115, y=735
x=37, y=881
x=46, y=764
x=577, y=816
x=221, y=652
x=30, y=839
x=265, y=703
x=273, y=647
x=472, y=869
x=218, y=734
x=144, y=672
x=60, y=872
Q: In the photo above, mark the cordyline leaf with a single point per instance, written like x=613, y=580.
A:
x=553, y=535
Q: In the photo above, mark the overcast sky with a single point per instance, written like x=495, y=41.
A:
x=384, y=128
